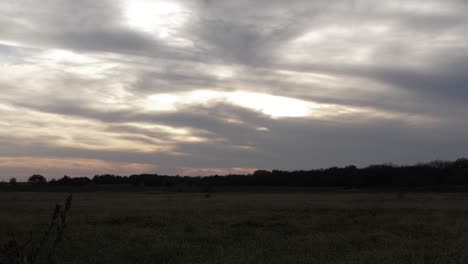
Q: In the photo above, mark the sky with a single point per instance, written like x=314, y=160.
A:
x=200, y=87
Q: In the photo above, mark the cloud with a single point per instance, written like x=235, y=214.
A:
x=204, y=86
x=215, y=171
x=57, y=167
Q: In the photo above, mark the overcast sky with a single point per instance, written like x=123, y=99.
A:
x=216, y=86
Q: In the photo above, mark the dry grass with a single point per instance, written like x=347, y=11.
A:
x=38, y=248
x=249, y=227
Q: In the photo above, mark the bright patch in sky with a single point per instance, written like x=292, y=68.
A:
x=272, y=105
x=162, y=18
x=276, y=107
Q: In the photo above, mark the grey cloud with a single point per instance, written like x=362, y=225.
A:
x=232, y=42
x=202, y=118
x=106, y=40
x=450, y=84
x=311, y=145
x=95, y=26
x=172, y=79
x=416, y=67
x=315, y=144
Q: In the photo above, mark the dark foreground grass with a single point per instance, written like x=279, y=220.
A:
x=248, y=228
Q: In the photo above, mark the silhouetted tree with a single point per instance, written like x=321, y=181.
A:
x=435, y=173
x=37, y=179
x=65, y=180
x=12, y=181
x=110, y=179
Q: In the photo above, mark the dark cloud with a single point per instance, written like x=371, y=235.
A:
x=445, y=81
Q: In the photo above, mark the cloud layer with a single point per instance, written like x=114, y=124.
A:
x=195, y=87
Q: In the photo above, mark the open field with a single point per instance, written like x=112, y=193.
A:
x=157, y=227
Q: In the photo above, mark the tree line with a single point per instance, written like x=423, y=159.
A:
x=435, y=173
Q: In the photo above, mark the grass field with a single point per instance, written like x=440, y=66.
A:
x=156, y=227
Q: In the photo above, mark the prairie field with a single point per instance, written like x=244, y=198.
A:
x=314, y=227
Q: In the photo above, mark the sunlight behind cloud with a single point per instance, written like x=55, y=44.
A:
x=160, y=18
x=271, y=105
x=274, y=106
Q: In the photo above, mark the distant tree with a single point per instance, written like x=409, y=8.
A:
x=65, y=180
x=461, y=163
x=37, y=179
x=261, y=173
x=12, y=181
x=110, y=179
